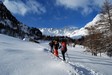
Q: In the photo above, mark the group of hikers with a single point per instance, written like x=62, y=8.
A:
x=54, y=44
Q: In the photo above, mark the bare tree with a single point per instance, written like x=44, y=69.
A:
x=107, y=10
x=93, y=41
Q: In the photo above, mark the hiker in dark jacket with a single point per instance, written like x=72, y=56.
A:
x=63, y=49
x=51, y=44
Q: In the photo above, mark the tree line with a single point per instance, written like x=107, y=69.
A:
x=99, y=39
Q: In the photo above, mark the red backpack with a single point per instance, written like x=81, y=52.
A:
x=64, y=48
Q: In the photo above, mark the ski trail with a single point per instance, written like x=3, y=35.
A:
x=75, y=68
x=81, y=70
x=70, y=70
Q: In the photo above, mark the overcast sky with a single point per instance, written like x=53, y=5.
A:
x=54, y=13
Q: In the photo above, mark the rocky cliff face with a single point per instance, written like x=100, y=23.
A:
x=9, y=25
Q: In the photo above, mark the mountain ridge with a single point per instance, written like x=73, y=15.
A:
x=72, y=32
x=57, y=31
x=9, y=25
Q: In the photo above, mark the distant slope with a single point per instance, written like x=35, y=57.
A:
x=96, y=22
x=72, y=32
x=79, y=33
x=66, y=31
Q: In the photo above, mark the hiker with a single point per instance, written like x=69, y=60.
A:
x=56, y=46
x=51, y=44
x=63, y=48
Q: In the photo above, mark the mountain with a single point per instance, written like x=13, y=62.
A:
x=72, y=32
x=94, y=21
x=75, y=32
x=98, y=23
x=58, y=32
x=99, y=39
x=9, y=25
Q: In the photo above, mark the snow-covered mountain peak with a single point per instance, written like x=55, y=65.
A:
x=72, y=32
x=83, y=31
x=66, y=31
x=96, y=19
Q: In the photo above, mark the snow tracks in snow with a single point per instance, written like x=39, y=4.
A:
x=72, y=68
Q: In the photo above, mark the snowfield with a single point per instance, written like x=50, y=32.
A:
x=18, y=57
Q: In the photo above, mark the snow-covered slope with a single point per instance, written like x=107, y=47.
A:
x=83, y=31
x=79, y=33
x=100, y=23
x=19, y=57
x=94, y=21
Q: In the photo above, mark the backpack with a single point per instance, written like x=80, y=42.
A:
x=51, y=43
x=64, y=48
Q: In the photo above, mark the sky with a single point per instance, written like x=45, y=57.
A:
x=54, y=13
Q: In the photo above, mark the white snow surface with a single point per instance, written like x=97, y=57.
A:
x=18, y=57
x=78, y=33
x=92, y=23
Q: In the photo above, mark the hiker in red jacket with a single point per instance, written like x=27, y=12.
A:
x=56, y=46
x=63, y=48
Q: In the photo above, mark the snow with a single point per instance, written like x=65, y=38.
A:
x=101, y=65
x=72, y=32
x=18, y=57
x=66, y=31
x=79, y=33
x=82, y=31
x=96, y=19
